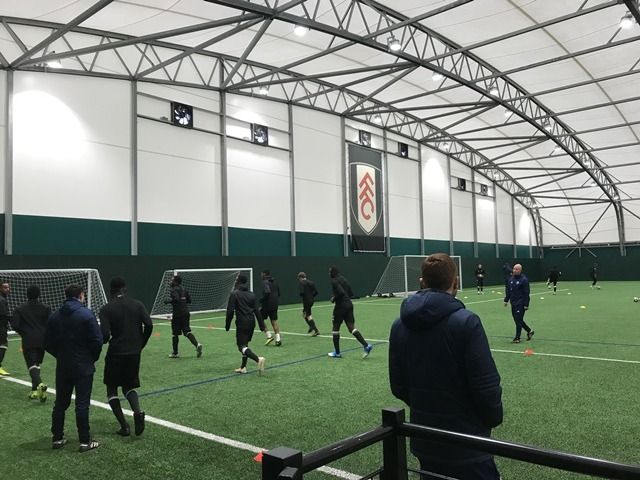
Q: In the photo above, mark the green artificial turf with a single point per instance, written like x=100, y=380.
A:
x=305, y=400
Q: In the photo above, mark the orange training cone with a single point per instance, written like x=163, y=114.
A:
x=156, y=334
x=258, y=457
x=528, y=352
x=210, y=327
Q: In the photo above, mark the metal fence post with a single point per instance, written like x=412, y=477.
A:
x=394, y=448
x=276, y=460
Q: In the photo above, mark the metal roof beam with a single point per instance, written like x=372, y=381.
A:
x=61, y=31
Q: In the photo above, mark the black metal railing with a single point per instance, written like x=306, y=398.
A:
x=284, y=463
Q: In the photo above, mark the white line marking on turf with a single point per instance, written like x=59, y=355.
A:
x=198, y=433
x=617, y=360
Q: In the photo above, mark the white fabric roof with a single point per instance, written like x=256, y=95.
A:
x=570, y=84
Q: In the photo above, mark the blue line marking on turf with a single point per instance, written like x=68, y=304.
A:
x=564, y=340
x=238, y=375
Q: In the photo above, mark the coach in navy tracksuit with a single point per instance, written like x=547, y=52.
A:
x=518, y=295
x=440, y=365
x=74, y=338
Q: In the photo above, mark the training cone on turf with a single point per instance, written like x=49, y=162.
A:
x=528, y=352
x=569, y=293
x=541, y=298
x=258, y=457
x=157, y=334
x=210, y=327
x=583, y=306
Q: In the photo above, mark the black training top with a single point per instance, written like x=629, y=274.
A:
x=342, y=292
x=270, y=294
x=480, y=271
x=179, y=300
x=30, y=321
x=126, y=325
x=307, y=290
x=244, y=305
x=4, y=312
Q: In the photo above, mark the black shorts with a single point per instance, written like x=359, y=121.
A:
x=306, y=308
x=554, y=281
x=180, y=325
x=3, y=336
x=270, y=314
x=122, y=371
x=342, y=313
x=243, y=336
x=33, y=356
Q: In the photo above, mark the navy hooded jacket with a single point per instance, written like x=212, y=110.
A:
x=518, y=291
x=73, y=336
x=440, y=365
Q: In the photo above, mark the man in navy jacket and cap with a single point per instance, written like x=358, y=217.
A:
x=440, y=365
x=518, y=295
x=74, y=338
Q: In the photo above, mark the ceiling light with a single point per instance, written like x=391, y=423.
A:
x=546, y=124
x=446, y=146
x=264, y=90
x=300, y=30
x=557, y=150
x=394, y=44
x=507, y=113
x=627, y=21
x=593, y=183
x=494, y=91
x=55, y=63
x=436, y=77
x=377, y=119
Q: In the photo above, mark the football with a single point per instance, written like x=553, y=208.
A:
x=636, y=299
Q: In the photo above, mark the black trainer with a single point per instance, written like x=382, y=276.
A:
x=124, y=431
x=138, y=419
x=530, y=335
x=515, y=340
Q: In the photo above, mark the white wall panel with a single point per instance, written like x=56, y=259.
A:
x=404, y=197
x=462, y=216
x=71, y=146
x=178, y=175
x=505, y=224
x=436, y=195
x=198, y=97
x=485, y=219
x=160, y=108
x=258, y=110
x=352, y=129
x=258, y=186
x=631, y=223
x=460, y=170
x=318, y=171
x=564, y=219
x=605, y=230
x=523, y=224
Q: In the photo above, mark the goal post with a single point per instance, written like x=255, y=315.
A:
x=52, y=283
x=402, y=273
x=209, y=288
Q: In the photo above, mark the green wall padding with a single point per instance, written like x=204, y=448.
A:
x=463, y=249
x=167, y=239
x=405, y=246
x=523, y=251
x=487, y=250
x=247, y=241
x=436, y=246
x=34, y=235
x=506, y=250
x=319, y=244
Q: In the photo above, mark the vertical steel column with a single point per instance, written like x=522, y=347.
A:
x=513, y=226
x=224, y=192
x=621, y=233
x=292, y=185
x=474, y=212
x=8, y=167
x=345, y=189
x=385, y=186
x=451, y=252
x=495, y=219
x=133, y=143
x=421, y=204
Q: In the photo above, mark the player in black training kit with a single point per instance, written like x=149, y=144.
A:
x=594, y=276
x=554, y=276
x=30, y=321
x=480, y=273
x=126, y=326
x=5, y=289
x=180, y=300
x=308, y=292
x=269, y=306
x=343, y=312
x=242, y=302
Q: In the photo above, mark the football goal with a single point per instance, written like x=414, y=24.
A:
x=52, y=283
x=402, y=275
x=209, y=289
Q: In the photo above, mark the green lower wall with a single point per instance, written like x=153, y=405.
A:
x=165, y=239
x=404, y=246
x=575, y=264
x=319, y=244
x=33, y=235
x=247, y=241
x=435, y=246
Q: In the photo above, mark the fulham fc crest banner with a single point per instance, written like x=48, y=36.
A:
x=366, y=200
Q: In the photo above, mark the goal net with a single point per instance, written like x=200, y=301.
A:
x=52, y=283
x=209, y=289
x=402, y=275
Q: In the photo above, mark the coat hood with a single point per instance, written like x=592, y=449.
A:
x=427, y=307
x=70, y=305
